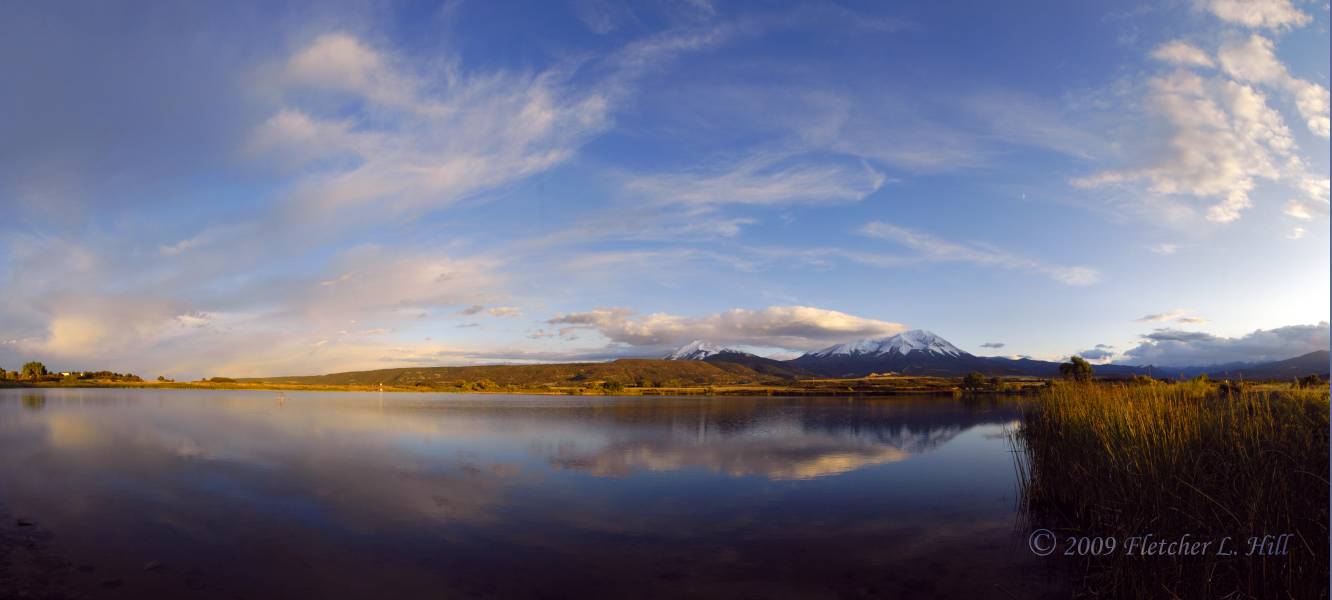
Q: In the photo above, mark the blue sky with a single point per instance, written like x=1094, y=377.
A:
x=274, y=188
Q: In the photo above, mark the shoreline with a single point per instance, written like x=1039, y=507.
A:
x=727, y=390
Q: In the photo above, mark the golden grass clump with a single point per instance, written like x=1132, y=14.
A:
x=1121, y=460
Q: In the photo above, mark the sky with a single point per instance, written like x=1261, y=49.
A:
x=245, y=189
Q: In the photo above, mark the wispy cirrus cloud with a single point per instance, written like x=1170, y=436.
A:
x=931, y=248
x=762, y=180
x=424, y=140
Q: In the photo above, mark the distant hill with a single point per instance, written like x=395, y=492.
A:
x=716, y=354
x=649, y=372
x=766, y=366
x=1313, y=363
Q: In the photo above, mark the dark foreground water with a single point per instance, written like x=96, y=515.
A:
x=239, y=494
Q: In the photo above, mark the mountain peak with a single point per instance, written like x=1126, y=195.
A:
x=907, y=342
x=698, y=350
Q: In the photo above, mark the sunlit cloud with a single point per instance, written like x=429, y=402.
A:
x=790, y=327
x=1269, y=14
x=1222, y=135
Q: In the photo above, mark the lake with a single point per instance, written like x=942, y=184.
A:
x=225, y=494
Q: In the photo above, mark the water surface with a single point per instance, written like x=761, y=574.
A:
x=254, y=494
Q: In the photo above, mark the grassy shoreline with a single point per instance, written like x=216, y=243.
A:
x=1123, y=460
x=863, y=386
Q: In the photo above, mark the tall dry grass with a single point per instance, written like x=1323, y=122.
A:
x=1108, y=459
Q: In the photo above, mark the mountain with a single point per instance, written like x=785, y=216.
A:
x=1313, y=363
x=915, y=352
x=912, y=353
x=920, y=352
x=698, y=350
x=907, y=342
x=713, y=353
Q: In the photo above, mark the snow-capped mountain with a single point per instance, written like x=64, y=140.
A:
x=698, y=350
x=919, y=352
x=916, y=340
x=915, y=352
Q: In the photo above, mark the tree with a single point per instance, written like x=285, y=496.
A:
x=973, y=381
x=1077, y=369
x=34, y=370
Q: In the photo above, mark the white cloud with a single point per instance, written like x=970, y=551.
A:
x=1297, y=210
x=504, y=311
x=1295, y=233
x=1170, y=347
x=1254, y=60
x=1178, y=315
x=935, y=249
x=1221, y=138
x=790, y=327
x=1314, y=203
x=1179, y=52
x=1276, y=15
x=1164, y=249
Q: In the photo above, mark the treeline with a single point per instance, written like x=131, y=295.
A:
x=36, y=371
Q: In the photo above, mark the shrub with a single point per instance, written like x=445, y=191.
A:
x=1077, y=369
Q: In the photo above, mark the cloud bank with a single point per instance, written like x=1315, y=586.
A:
x=790, y=327
x=1174, y=348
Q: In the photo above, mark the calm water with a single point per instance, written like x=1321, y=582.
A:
x=228, y=494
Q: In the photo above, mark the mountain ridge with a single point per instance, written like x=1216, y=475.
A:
x=732, y=367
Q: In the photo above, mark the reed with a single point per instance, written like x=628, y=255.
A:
x=1118, y=459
